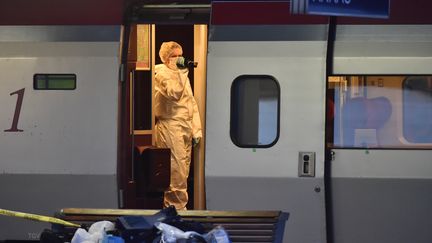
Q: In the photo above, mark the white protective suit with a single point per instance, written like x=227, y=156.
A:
x=178, y=122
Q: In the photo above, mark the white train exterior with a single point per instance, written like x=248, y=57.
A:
x=63, y=150
x=330, y=122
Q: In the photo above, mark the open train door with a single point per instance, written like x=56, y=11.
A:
x=265, y=114
x=144, y=169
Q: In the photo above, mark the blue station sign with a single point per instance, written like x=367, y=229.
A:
x=352, y=8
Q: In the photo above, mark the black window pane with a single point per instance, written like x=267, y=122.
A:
x=255, y=111
x=54, y=81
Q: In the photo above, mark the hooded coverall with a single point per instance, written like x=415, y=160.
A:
x=178, y=122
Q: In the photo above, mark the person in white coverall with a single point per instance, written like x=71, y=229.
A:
x=178, y=122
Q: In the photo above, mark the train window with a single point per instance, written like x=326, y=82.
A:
x=54, y=81
x=255, y=111
x=380, y=111
x=417, y=109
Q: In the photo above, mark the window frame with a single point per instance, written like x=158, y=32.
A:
x=405, y=145
x=233, y=110
x=73, y=76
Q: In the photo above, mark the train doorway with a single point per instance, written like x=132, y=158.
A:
x=144, y=169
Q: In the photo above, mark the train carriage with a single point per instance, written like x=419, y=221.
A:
x=327, y=118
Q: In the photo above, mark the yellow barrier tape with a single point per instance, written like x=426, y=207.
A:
x=37, y=218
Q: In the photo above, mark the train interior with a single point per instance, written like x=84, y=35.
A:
x=145, y=190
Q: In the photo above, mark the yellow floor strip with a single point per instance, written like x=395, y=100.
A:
x=37, y=218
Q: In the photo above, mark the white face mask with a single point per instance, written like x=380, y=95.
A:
x=172, y=63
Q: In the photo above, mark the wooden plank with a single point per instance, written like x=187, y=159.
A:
x=251, y=238
x=250, y=232
x=187, y=213
x=251, y=226
x=233, y=220
x=93, y=218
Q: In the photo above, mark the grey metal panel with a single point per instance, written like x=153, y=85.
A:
x=382, y=210
x=259, y=193
x=60, y=33
x=386, y=33
x=46, y=194
x=383, y=41
x=363, y=163
x=58, y=49
x=381, y=195
x=64, y=132
x=268, y=33
x=383, y=49
x=299, y=67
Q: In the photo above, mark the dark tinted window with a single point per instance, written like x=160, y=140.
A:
x=54, y=81
x=255, y=111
